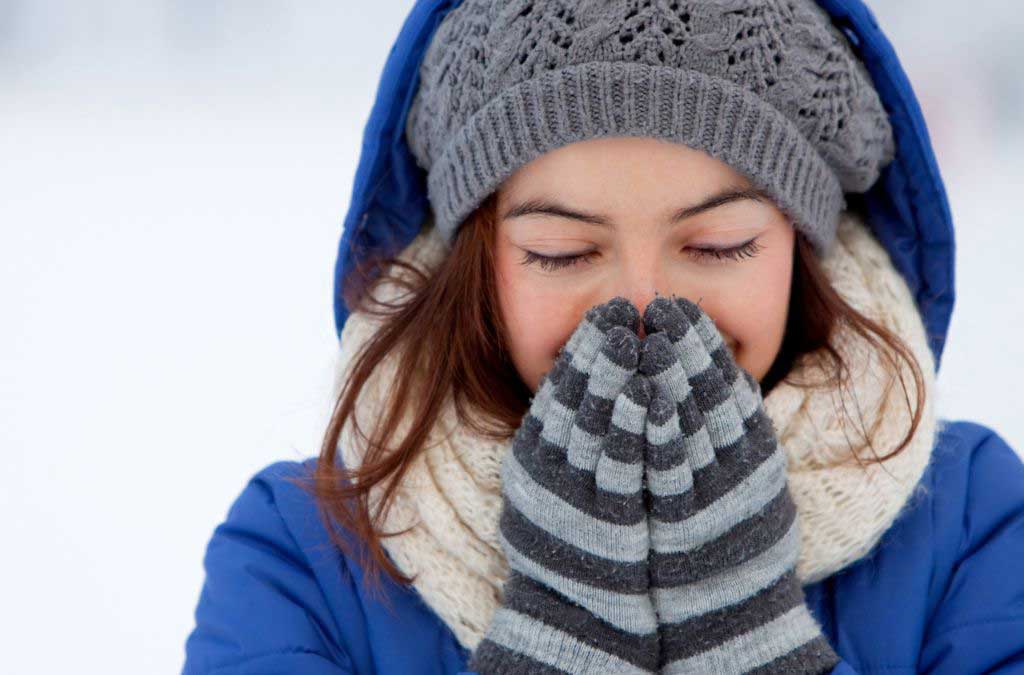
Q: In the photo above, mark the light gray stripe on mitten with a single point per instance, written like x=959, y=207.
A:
x=520, y=632
x=619, y=543
x=730, y=586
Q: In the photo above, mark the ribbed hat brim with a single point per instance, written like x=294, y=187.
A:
x=597, y=99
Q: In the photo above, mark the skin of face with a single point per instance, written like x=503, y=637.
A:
x=636, y=185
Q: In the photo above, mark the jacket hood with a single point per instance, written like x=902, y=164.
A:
x=907, y=208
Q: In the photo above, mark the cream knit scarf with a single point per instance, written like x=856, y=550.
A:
x=452, y=492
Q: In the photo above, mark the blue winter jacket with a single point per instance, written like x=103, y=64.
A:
x=942, y=592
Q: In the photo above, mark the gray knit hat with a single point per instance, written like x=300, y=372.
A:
x=770, y=87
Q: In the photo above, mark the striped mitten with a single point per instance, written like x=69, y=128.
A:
x=573, y=523
x=724, y=532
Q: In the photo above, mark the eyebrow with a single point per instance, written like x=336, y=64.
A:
x=548, y=207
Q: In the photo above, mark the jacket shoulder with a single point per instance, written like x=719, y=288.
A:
x=277, y=487
x=262, y=606
x=976, y=481
x=978, y=517
x=966, y=436
x=973, y=467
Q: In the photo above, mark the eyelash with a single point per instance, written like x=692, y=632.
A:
x=746, y=250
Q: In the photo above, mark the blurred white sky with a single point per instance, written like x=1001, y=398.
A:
x=174, y=179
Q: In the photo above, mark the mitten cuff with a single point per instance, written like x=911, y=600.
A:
x=518, y=643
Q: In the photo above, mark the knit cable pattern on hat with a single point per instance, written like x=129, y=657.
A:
x=770, y=87
x=452, y=492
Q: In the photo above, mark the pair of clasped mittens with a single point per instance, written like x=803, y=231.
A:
x=646, y=518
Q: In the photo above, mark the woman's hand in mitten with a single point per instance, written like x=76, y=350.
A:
x=573, y=523
x=724, y=532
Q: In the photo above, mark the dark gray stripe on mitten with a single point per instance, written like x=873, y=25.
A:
x=746, y=540
x=816, y=656
x=690, y=637
x=528, y=597
x=730, y=586
x=551, y=469
x=492, y=658
x=517, y=641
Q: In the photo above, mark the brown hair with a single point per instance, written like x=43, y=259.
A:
x=448, y=337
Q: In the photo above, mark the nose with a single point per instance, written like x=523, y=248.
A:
x=640, y=299
x=644, y=276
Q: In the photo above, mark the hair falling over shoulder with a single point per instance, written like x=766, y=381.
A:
x=448, y=339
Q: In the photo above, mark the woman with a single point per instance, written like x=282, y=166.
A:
x=650, y=387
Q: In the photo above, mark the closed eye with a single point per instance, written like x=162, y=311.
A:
x=556, y=262
x=748, y=249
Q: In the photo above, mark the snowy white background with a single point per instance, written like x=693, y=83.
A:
x=173, y=178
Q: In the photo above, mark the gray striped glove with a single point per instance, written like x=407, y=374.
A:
x=573, y=523
x=724, y=533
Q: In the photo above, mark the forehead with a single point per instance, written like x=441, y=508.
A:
x=615, y=167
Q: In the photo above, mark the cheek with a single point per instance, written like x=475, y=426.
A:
x=538, y=321
x=753, y=319
x=758, y=337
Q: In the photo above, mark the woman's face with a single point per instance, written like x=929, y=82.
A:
x=620, y=204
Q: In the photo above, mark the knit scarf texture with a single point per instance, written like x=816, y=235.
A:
x=451, y=495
